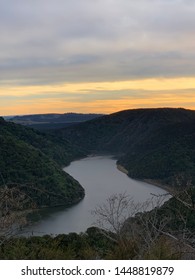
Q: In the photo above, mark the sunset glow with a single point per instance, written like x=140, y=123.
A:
x=99, y=57
x=105, y=97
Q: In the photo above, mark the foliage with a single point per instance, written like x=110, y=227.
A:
x=153, y=144
x=30, y=158
x=71, y=246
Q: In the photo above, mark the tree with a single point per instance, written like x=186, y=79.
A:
x=112, y=214
x=14, y=207
x=168, y=229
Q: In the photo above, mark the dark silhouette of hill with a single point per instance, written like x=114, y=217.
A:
x=34, y=160
x=52, y=121
x=153, y=144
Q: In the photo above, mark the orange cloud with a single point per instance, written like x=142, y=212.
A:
x=82, y=88
x=97, y=97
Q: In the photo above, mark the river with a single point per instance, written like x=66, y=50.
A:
x=100, y=178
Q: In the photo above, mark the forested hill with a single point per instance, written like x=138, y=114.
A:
x=52, y=121
x=54, y=118
x=34, y=161
x=156, y=144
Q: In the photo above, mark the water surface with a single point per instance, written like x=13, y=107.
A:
x=100, y=178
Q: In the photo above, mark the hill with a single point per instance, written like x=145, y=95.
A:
x=33, y=160
x=52, y=121
x=155, y=144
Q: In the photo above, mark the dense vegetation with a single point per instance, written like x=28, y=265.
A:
x=153, y=144
x=33, y=159
x=166, y=232
x=89, y=245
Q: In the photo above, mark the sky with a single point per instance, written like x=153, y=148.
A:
x=96, y=56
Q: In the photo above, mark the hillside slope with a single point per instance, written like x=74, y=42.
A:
x=32, y=159
x=44, y=122
x=150, y=143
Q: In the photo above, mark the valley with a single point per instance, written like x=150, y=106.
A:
x=151, y=145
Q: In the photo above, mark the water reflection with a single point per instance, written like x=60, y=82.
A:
x=101, y=179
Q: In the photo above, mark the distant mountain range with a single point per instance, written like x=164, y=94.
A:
x=52, y=121
x=157, y=144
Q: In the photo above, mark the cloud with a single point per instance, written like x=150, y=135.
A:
x=86, y=97
x=46, y=43
x=96, y=39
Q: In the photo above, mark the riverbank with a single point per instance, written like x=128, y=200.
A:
x=101, y=180
x=148, y=181
x=159, y=184
x=122, y=169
